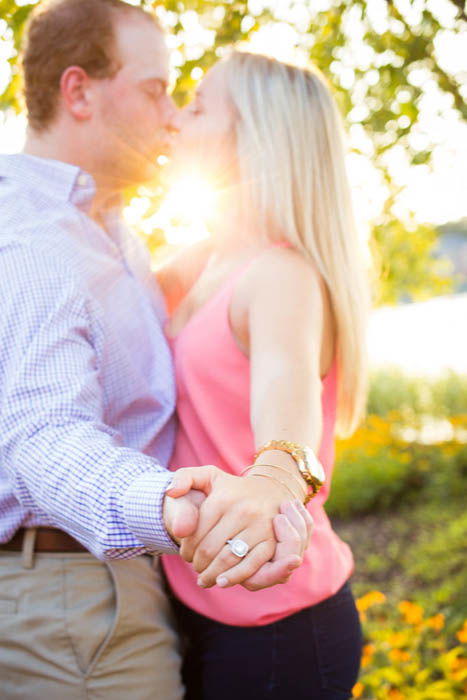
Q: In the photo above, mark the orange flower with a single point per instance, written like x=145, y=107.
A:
x=357, y=690
x=395, y=694
x=459, y=664
x=462, y=634
x=413, y=613
x=397, y=639
x=436, y=622
x=367, y=653
x=397, y=655
x=369, y=599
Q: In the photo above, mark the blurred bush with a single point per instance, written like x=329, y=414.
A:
x=398, y=497
x=377, y=468
x=411, y=396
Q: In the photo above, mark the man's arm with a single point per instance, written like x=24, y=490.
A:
x=63, y=461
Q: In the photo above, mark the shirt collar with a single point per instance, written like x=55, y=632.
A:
x=59, y=180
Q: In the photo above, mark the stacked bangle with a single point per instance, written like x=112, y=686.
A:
x=309, y=467
x=282, y=469
x=279, y=481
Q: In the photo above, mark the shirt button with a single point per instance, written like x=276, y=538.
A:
x=82, y=180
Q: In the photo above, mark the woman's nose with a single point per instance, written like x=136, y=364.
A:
x=173, y=117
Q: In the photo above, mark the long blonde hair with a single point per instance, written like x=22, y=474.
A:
x=294, y=184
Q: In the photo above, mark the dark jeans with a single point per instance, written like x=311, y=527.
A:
x=313, y=654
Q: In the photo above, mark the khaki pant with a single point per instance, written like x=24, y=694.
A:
x=74, y=627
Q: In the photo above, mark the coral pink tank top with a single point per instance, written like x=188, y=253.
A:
x=213, y=385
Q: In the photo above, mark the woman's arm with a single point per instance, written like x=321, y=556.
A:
x=286, y=320
x=177, y=274
x=284, y=316
x=285, y=323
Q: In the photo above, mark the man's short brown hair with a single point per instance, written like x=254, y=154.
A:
x=63, y=33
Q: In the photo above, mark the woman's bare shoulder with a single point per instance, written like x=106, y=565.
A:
x=282, y=268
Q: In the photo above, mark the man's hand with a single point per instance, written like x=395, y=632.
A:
x=181, y=515
x=246, y=508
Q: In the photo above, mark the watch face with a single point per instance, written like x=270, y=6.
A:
x=314, y=465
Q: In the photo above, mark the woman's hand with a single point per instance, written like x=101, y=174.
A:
x=243, y=507
x=292, y=528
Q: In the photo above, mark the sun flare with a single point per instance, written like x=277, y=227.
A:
x=184, y=212
x=191, y=199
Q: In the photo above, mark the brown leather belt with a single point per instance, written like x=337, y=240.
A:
x=48, y=539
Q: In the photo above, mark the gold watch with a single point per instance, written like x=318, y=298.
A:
x=308, y=465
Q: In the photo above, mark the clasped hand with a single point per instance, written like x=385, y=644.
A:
x=205, y=507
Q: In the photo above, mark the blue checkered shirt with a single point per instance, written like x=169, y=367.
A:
x=87, y=390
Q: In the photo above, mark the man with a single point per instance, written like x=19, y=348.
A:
x=86, y=384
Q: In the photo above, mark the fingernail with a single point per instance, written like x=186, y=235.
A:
x=170, y=485
x=295, y=563
x=222, y=581
x=201, y=583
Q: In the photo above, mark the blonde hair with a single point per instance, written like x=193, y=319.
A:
x=291, y=159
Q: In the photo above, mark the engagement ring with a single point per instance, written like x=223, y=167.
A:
x=238, y=547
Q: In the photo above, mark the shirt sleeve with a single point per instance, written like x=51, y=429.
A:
x=61, y=458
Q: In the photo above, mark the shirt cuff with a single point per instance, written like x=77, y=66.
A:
x=142, y=511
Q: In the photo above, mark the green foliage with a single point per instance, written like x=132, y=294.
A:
x=393, y=390
x=365, y=484
x=403, y=256
x=442, y=541
x=393, y=458
x=375, y=480
x=415, y=551
x=398, y=497
x=382, y=98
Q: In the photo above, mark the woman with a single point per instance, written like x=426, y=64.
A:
x=268, y=334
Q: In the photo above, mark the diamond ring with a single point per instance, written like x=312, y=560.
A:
x=238, y=547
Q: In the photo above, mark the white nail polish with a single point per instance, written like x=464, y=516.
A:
x=222, y=581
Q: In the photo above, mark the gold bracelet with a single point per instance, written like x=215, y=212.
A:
x=279, y=481
x=308, y=465
x=246, y=469
x=282, y=469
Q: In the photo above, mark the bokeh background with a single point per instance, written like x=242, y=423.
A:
x=399, y=73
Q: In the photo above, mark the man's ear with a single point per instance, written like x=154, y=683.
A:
x=75, y=89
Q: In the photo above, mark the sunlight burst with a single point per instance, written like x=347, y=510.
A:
x=184, y=212
x=186, y=209
x=191, y=197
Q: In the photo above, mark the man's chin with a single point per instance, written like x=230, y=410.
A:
x=151, y=166
x=144, y=173
x=151, y=174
